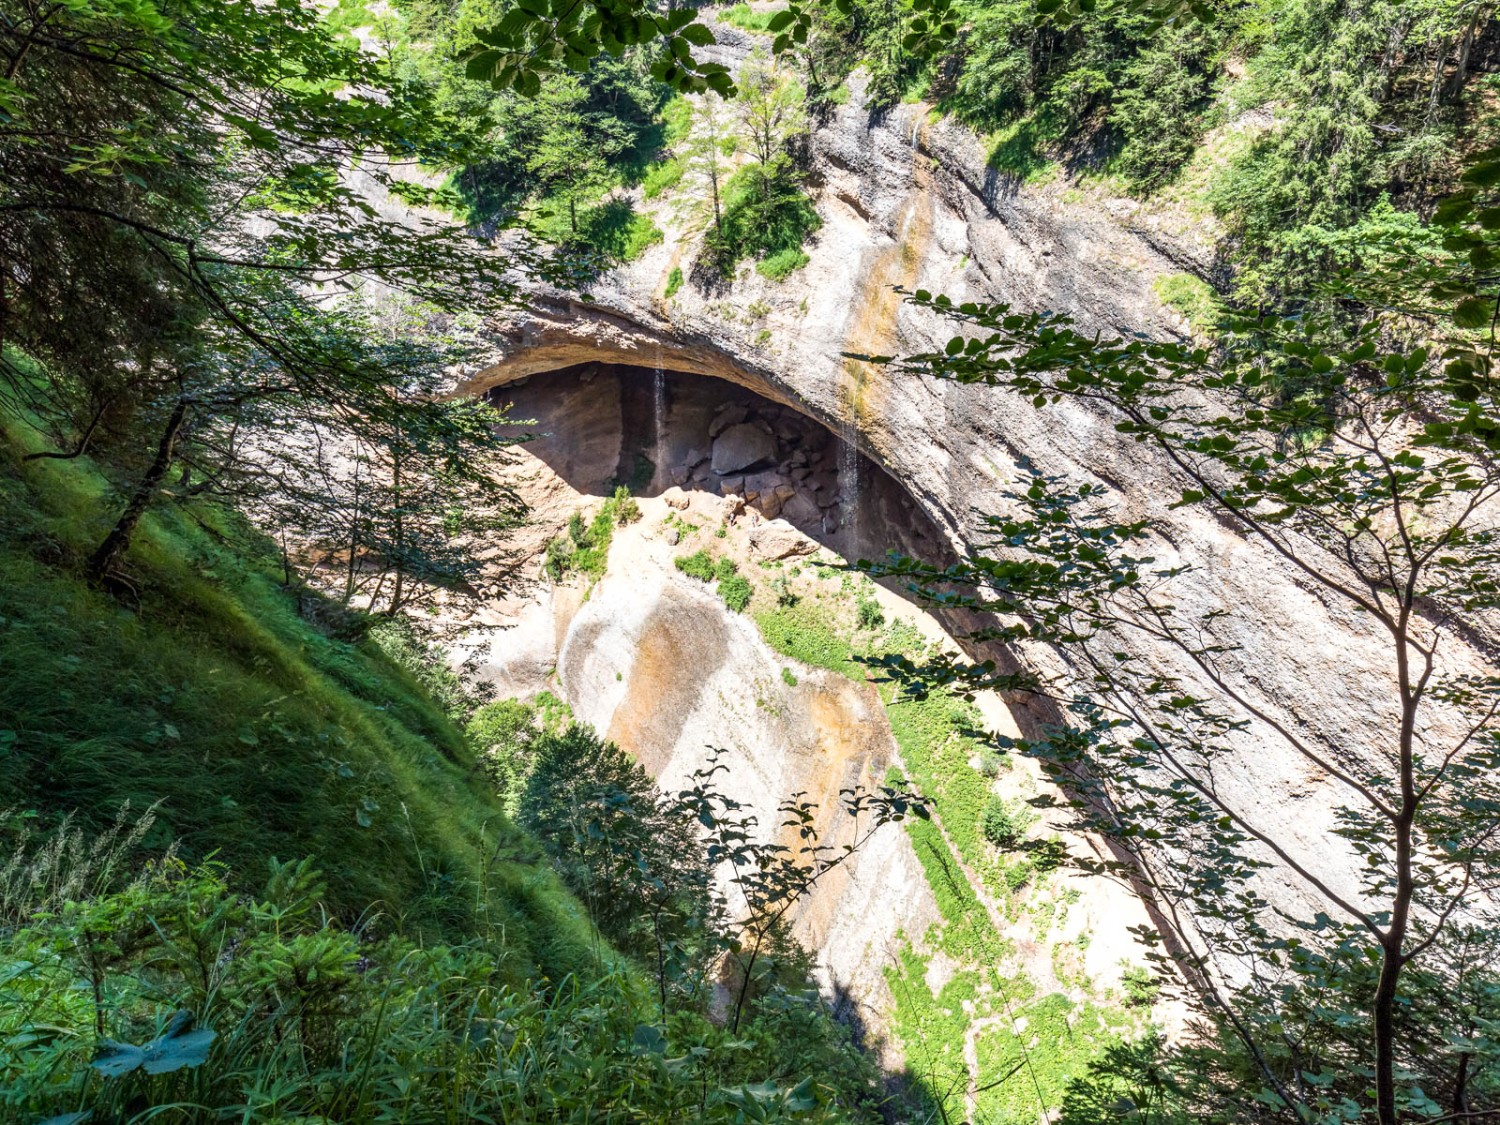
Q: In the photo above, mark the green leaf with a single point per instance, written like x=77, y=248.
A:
x=178, y=1047
x=1474, y=312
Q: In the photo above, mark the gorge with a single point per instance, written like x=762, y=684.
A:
x=823, y=561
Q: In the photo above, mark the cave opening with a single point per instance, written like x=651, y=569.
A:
x=600, y=425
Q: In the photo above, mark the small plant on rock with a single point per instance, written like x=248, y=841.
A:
x=698, y=565
x=736, y=592
x=1004, y=824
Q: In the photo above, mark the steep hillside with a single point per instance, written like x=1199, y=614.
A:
x=249, y=715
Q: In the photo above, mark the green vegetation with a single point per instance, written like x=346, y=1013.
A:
x=662, y=177
x=585, y=548
x=699, y=565
x=1194, y=298
x=255, y=717
x=736, y=592
x=761, y=210
x=781, y=264
x=1004, y=823
x=745, y=18
x=733, y=587
x=674, y=282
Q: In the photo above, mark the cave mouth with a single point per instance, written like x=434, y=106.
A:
x=600, y=425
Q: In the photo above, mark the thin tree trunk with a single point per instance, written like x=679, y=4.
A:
x=104, y=560
x=1392, y=945
x=400, y=529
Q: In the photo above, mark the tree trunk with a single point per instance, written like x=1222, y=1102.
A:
x=400, y=529
x=1393, y=942
x=104, y=560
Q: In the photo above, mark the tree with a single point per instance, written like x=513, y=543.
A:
x=773, y=108
x=167, y=292
x=712, y=134
x=1380, y=494
x=572, y=147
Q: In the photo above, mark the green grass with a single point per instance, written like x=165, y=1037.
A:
x=256, y=732
x=782, y=264
x=808, y=631
x=1019, y=150
x=613, y=228
x=1074, y=1034
x=745, y=18
x=661, y=177
x=1194, y=298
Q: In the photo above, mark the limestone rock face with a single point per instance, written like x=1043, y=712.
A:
x=741, y=447
x=910, y=203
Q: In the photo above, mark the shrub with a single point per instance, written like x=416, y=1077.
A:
x=991, y=762
x=867, y=612
x=746, y=18
x=626, y=510
x=1139, y=986
x=782, y=264
x=725, y=568
x=585, y=548
x=661, y=177
x=698, y=565
x=1004, y=824
x=674, y=281
x=788, y=677
x=736, y=592
x=766, y=213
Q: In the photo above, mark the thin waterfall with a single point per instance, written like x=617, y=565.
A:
x=849, y=484
x=660, y=434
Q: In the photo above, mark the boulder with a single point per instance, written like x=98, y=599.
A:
x=801, y=511
x=675, y=498
x=742, y=446
x=778, y=539
x=762, y=484
x=730, y=485
x=730, y=414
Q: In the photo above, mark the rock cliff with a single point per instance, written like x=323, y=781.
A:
x=908, y=201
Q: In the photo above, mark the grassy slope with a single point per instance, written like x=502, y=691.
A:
x=982, y=993
x=258, y=734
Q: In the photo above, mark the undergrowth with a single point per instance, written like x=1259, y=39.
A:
x=257, y=720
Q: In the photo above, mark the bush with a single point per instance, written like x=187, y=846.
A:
x=699, y=565
x=661, y=177
x=766, y=214
x=736, y=592
x=674, y=281
x=1140, y=987
x=504, y=734
x=991, y=762
x=782, y=264
x=626, y=510
x=788, y=677
x=867, y=612
x=585, y=548
x=1004, y=824
x=725, y=568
